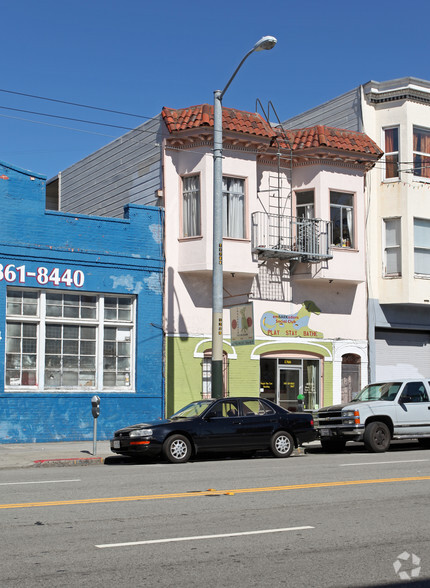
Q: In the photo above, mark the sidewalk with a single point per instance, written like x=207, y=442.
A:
x=74, y=453
x=23, y=455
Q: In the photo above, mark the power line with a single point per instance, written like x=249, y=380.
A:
x=41, y=122
x=74, y=104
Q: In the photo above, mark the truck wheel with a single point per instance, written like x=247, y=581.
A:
x=177, y=449
x=333, y=445
x=377, y=437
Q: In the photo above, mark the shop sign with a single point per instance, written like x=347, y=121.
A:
x=274, y=324
x=242, y=324
x=43, y=276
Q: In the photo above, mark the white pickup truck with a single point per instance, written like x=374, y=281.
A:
x=389, y=410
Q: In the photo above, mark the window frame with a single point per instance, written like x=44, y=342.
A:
x=394, y=178
x=305, y=207
x=387, y=248
x=343, y=207
x=420, y=248
x=245, y=207
x=99, y=323
x=420, y=154
x=185, y=234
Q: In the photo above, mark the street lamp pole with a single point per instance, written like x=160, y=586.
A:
x=217, y=272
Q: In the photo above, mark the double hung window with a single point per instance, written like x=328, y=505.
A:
x=392, y=251
x=233, y=207
x=391, y=148
x=421, y=247
x=63, y=341
x=421, y=152
x=191, y=206
x=342, y=218
x=305, y=204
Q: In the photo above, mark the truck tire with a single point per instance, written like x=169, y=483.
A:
x=333, y=445
x=377, y=437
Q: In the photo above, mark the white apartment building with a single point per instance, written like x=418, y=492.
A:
x=396, y=115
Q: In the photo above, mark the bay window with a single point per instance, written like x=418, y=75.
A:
x=391, y=148
x=421, y=246
x=392, y=251
x=233, y=207
x=64, y=341
x=421, y=152
x=342, y=218
x=191, y=206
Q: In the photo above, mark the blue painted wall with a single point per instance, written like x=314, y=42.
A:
x=118, y=256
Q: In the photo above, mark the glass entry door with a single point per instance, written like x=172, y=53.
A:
x=289, y=386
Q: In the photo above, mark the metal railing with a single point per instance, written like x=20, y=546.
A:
x=290, y=237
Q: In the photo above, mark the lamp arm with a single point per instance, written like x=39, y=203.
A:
x=235, y=72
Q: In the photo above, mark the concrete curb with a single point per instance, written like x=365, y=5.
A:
x=67, y=462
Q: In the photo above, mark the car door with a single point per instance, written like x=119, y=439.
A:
x=220, y=427
x=258, y=421
x=413, y=409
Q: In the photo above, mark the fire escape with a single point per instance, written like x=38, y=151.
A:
x=277, y=234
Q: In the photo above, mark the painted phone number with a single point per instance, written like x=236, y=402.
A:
x=9, y=273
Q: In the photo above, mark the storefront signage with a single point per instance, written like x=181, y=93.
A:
x=242, y=324
x=43, y=276
x=291, y=325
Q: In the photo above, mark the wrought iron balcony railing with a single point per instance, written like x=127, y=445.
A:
x=286, y=237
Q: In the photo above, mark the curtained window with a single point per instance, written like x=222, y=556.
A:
x=391, y=153
x=392, y=252
x=191, y=206
x=342, y=218
x=421, y=152
x=233, y=207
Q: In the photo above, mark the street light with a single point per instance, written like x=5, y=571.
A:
x=264, y=43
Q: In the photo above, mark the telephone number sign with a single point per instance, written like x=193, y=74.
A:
x=43, y=276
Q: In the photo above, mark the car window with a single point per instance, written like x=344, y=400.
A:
x=414, y=392
x=225, y=408
x=255, y=407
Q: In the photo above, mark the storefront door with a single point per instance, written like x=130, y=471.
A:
x=289, y=386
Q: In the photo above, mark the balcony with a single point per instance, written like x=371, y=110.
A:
x=291, y=238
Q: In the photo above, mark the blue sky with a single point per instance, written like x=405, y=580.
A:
x=137, y=56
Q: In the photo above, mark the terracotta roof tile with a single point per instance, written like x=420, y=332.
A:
x=249, y=123
x=202, y=115
x=331, y=138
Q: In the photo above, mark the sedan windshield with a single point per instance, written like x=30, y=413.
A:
x=385, y=391
x=192, y=410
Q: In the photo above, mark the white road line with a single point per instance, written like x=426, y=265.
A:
x=39, y=482
x=344, y=465
x=200, y=537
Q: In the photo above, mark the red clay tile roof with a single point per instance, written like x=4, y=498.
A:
x=331, y=138
x=203, y=115
x=239, y=121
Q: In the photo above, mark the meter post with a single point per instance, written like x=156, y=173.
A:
x=95, y=409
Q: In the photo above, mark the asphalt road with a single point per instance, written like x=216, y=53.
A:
x=314, y=520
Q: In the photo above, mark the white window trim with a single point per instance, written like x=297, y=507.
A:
x=417, y=178
x=385, y=274
x=384, y=178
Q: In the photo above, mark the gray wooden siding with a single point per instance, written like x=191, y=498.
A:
x=343, y=112
x=127, y=170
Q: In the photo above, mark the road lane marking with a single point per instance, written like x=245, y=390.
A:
x=366, y=463
x=38, y=482
x=200, y=537
x=200, y=493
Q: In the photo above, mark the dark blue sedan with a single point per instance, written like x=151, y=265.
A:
x=218, y=425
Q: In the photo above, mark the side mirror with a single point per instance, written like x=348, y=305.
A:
x=211, y=414
x=405, y=398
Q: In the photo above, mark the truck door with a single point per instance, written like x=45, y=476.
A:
x=413, y=410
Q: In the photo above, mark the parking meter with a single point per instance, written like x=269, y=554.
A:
x=95, y=409
x=95, y=406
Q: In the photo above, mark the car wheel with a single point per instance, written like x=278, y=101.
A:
x=425, y=443
x=282, y=444
x=333, y=445
x=177, y=449
x=377, y=437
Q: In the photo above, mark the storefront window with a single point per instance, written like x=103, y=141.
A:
x=52, y=340
x=291, y=383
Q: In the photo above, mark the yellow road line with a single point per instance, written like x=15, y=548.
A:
x=212, y=492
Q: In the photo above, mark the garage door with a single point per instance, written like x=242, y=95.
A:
x=402, y=354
